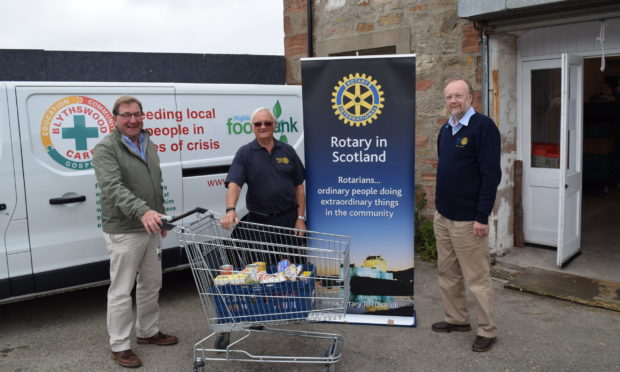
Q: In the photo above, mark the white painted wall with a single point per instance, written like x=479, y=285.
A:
x=503, y=110
x=579, y=38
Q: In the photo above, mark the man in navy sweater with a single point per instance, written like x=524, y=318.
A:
x=468, y=174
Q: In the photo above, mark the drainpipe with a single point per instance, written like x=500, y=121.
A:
x=485, y=72
x=309, y=28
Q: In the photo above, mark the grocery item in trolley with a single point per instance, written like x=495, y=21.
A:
x=272, y=296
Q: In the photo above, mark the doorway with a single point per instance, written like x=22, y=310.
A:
x=601, y=159
x=599, y=152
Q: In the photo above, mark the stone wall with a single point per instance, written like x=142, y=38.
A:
x=445, y=46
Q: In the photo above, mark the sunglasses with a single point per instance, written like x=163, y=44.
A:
x=258, y=124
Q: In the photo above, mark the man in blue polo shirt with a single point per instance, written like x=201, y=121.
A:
x=468, y=174
x=274, y=175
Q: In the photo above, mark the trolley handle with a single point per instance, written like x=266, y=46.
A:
x=168, y=222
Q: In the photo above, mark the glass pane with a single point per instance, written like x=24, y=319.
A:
x=546, y=103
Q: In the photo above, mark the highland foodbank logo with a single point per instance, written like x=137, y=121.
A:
x=240, y=124
x=71, y=127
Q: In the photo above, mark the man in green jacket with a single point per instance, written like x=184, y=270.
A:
x=127, y=169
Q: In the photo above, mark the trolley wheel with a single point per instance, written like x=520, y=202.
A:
x=222, y=340
x=199, y=365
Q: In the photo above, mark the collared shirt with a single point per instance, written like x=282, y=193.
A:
x=141, y=150
x=272, y=178
x=464, y=121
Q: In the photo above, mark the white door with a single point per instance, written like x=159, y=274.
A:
x=540, y=118
x=570, y=195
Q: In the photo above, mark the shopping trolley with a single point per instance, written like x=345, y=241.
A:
x=254, y=276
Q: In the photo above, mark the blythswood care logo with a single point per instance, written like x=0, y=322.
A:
x=357, y=99
x=67, y=126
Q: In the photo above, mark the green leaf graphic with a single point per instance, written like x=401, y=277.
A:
x=277, y=110
x=283, y=139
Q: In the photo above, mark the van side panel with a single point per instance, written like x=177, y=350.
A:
x=50, y=229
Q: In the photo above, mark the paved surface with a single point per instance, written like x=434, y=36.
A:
x=589, y=264
x=67, y=332
x=592, y=292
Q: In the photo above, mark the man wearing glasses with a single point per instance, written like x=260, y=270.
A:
x=274, y=174
x=468, y=173
x=127, y=169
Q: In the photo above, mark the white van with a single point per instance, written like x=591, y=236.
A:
x=50, y=221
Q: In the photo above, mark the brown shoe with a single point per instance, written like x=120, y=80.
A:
x=483, y=343
x=126, y=358
x=449, y=327
x=159, y=339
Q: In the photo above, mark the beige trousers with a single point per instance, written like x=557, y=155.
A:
x=463, y=258
x=133, y=255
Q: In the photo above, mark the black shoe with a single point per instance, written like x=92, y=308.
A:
x=449, y=327
x=483, y=343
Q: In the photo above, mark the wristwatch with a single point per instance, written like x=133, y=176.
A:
x=303, y=218
x=230, y=209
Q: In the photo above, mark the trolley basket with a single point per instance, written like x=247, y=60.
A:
x=254, y=276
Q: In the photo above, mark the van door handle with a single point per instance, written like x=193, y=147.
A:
x=2, y=207
x=74, y=199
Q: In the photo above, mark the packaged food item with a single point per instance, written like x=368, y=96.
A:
x=252, y=272
x=304, y=275
x=262, y=276
x=252, y=268
x=262, y=266
x=274, y=278
x=292, y=271
x=282, y=265
x=226, y=270
x=222, y=279
x=235, y=279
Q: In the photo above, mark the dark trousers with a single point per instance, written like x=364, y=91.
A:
x=267, y=242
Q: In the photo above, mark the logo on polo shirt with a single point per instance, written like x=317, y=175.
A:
x=70, y=129
x=283, y=160
x=358, y=99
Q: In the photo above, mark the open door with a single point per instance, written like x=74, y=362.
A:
x=571, y=138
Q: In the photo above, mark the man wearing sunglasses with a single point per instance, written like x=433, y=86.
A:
x=274, y=175
x=127, y=169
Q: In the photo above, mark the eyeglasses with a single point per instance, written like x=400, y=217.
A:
x=258, y=124
x=457, y=96
x=137, y=115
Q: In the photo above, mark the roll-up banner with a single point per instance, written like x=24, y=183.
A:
x=359, y=137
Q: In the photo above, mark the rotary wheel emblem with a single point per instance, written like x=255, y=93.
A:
x=358, y=99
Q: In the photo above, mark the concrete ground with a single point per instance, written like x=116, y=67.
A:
x=600, y=252
x=589, y=264
x=67, y=332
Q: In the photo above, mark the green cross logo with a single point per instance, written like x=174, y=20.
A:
x=80, y=132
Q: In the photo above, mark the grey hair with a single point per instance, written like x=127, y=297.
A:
x=261, y=109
